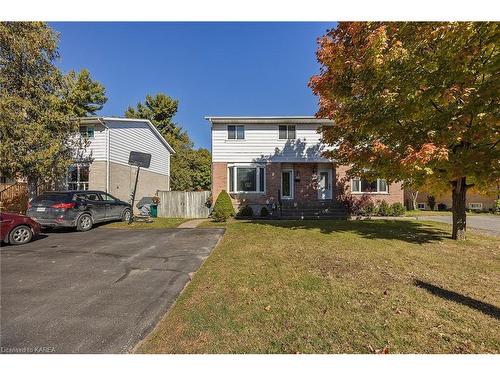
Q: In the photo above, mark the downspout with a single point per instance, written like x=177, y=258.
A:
x=107, y=153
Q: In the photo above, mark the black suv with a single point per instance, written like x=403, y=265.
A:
x=79, y=209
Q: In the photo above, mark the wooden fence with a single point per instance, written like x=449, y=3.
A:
x=185, y=204
x=14, y=197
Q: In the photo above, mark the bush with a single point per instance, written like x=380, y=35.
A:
x=362, y=206
x=431, y=201
x=398, y=209
x=384, y=209
x=442, y=207
x=245, y=211
x=264, y=212
x=223, y=208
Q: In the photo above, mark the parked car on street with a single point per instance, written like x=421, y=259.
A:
x=80, y=209
x=17, y=229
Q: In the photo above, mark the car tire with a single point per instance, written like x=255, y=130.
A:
x=84, y=223
x=20, y=235
x=126, y=214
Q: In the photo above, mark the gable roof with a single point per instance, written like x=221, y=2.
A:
x=103, y=120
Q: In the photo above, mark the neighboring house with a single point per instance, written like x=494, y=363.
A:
x=102, y=161
x=474, y=200
x=261, y=160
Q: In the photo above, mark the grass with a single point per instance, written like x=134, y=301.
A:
x=338, y=287
x=158, y=223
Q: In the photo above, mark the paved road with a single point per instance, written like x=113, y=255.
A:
x=490, y=224
x=95, y=292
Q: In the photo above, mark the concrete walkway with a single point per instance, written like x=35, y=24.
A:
x=191, y=223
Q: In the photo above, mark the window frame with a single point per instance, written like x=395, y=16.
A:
x=480, y=206
x=232, y=178
x=360, y=191
x=421, y=203
x=79, y=183
x=85, y=134
x=287, y=132
x=236, y=132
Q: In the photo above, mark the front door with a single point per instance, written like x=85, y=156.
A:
x=287, y=184
x=325, y=184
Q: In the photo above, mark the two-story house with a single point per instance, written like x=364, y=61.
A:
x=263, y=160
x=102, y=164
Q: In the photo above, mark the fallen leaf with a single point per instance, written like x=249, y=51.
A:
x=267, y=308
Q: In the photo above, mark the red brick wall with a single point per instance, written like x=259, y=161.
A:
x=395, y=195
x=219, y=179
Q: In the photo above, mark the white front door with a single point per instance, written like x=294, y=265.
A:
x=325, y=184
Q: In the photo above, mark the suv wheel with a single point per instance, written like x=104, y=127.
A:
x=84, y=223
x=20, y=235
x=126, y=214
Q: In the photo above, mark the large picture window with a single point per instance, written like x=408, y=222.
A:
x=78, y=177
x=359, y=185
x=235, y=132
x=246, y=179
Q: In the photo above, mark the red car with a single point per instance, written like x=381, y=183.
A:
x=17, y=229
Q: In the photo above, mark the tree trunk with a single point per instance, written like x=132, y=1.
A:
x=414, y=196
x=458, y=208
x=32, y=187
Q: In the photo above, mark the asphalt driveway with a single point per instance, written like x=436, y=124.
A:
x=95, y=292
x=487, y=223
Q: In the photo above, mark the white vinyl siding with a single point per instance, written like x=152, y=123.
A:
x=126, y=136
x=262, y=143
x=96, y=147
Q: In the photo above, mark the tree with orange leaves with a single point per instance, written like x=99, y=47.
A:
x=414, y=102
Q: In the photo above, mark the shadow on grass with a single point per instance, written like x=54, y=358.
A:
x=475, y=304
x=408, y=231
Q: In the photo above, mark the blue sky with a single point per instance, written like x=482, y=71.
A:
x=239, y=69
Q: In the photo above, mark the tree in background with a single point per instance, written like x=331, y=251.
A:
x=37, y=103
x=414, y=102
x=190, y=168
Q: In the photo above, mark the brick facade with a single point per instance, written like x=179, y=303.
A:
x=305, y=184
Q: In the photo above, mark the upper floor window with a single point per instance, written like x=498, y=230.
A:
x=235, y=132
x=87, y=131
x=359, y=185
x=287, y=132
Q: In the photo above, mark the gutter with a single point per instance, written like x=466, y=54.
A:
x=107, y=152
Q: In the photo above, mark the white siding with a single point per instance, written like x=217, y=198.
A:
x=262, y=143
x=126, y=136
x=96, y=149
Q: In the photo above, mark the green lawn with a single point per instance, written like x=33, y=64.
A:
x=338, y=287
x=158, y=223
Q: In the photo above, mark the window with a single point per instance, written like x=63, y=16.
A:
x=364, y=186
x=247, y=179
x=235, y=132
x=78, y=177
x=421, y=206
x=87, y=131
x=107, y=197
x=475, y=206
x=287, y=132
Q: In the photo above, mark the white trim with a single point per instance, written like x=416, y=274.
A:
x=480, y=206
x=386, y=192
x=292, y=180
x=330, y=181
x=235, y=166
x=423, y=208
